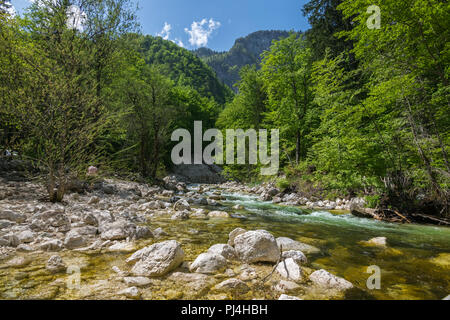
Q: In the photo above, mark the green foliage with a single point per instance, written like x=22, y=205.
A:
x=247, y=109
x=287, y=75
x=408, y=60
x=105, y=95
x=283, y=184
x=365, y=111
x=326, y=22
x=53, y=92
x=373, y=201
x=5, y=6
x=152, y=105
x=184, y=68
x=360, y=111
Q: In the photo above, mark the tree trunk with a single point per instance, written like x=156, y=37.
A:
x=155, y=153
x=142, y=156
x=62, y=184
x=422, y=154
x=51, y=184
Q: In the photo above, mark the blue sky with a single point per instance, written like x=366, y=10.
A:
x=215, y=24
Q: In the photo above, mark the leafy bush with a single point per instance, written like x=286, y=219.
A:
x=283, y=184
x=373, y=201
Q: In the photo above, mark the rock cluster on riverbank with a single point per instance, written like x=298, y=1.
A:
x=115, y=217
x=112, y=230
x=269, y=193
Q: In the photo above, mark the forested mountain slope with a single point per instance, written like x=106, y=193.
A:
x=184, y=68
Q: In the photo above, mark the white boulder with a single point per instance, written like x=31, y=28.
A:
x=208, y=263
x=288, y=244
x=257, y=246
x=327, y=280
x=290, y=270
x=157, y=259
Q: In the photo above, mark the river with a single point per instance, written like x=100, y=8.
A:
x=414, y=265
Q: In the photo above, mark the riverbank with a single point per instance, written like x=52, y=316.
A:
x=358, y=206
x=128, y=240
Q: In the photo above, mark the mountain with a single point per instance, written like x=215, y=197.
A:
x=185, y=68
x=245, y=51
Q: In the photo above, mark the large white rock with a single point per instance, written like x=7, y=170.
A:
x=233, y=234
x=51, y=245
x=327, y=280
x=298, y=256
x=157, y=259
x=233, y=285
x=208, y=263
x=290, y=270
x=55, y=264
x=12, y=216
x=130, y=293
x=74, y=240
x=137, y=281
x=285, y=286
x=224, y=250
x=181, y=205
x=218, y=214
x=118, y=230
x=380, y=242
x=256, y=246
x=26, y=236
x=288, y=244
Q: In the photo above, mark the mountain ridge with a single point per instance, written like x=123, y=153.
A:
x=245, y=51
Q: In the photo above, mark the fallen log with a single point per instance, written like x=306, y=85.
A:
x=440, y=221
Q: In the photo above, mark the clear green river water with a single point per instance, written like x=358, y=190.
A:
x=414, y=265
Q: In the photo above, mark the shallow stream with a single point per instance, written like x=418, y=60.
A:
x=414, y=265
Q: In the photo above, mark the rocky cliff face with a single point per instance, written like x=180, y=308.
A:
x=246, y=51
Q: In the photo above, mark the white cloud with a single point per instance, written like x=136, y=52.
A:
x=165, y=32
x=201, y=31
x=179, y=42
